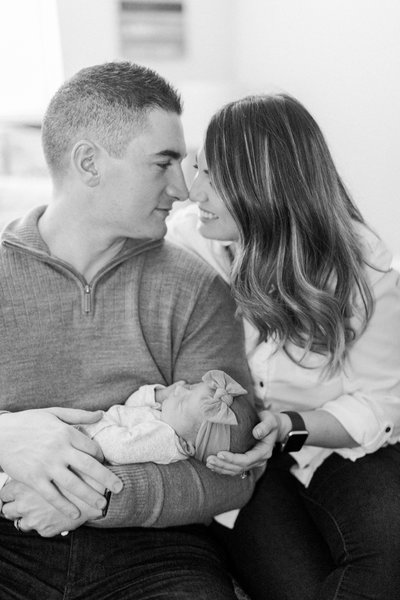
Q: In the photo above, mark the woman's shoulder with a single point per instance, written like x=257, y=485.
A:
x=375, y=252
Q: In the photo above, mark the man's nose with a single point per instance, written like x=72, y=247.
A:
x=177, y=188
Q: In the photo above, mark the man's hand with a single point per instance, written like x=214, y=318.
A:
x=228, y=463
x=21, y=502
x=39, y=448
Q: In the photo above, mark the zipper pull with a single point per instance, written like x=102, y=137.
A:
x=87, y=299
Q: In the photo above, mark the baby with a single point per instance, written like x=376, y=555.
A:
x=165, y=424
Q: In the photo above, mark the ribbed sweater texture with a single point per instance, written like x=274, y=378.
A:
x=154, y=314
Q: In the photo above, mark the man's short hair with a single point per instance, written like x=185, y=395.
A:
x=105, y=103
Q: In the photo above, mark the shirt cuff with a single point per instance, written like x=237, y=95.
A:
x=356, y=414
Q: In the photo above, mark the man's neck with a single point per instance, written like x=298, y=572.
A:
x=72, y=238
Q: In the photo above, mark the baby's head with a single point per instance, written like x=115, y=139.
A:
x=208, y=418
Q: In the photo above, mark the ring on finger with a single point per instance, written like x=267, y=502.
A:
x=17, y=524
x=243, y=475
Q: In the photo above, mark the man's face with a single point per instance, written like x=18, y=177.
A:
x=140, y=188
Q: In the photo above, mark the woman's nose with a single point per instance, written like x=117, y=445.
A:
x=196, y=192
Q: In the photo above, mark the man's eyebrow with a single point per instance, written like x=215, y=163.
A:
x=170, y=154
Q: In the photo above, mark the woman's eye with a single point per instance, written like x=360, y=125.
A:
x=196, y=166
x=163, y=165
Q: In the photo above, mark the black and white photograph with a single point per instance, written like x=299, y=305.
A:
x=199, y=300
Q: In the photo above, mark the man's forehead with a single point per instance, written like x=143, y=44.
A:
x=163, y=133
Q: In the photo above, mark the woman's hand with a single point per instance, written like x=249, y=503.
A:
x=228, y=463
x=34, y=513
x=40, y=449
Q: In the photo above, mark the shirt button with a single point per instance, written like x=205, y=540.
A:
x=261, y=384
x=388, y=429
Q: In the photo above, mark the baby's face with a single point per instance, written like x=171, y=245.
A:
x=182, y=409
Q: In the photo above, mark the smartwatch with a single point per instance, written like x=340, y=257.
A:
x=294, y=441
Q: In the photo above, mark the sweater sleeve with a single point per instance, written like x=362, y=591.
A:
x=187, y=491
x=180, y=493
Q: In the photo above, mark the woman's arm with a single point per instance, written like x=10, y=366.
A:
x=367, y=415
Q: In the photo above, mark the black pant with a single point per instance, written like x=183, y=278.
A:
x=339, y=539
x=181, y=563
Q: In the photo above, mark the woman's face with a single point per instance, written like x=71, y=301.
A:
x=215, y=221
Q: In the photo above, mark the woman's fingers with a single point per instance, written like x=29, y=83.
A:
x=233, y=464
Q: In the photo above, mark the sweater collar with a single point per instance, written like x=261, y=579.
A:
x=24, y=232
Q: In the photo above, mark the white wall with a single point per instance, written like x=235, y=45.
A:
x=30, y=57
x=204, y=75
x=342, y=60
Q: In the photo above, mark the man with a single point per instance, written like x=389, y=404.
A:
x=93, y=304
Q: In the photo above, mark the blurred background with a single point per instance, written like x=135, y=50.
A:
x=341, y=58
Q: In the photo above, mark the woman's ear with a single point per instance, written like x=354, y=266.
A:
x=84, y=159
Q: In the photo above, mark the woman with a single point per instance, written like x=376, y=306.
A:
x=315, y=284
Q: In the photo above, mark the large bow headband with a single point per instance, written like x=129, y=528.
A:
x=214, y=434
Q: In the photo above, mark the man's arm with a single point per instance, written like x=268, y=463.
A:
x=188, y=492
x=177, y=494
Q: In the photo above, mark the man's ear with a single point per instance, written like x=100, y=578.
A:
x=84, y=159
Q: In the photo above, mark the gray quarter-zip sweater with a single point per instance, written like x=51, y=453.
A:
x=154, y=314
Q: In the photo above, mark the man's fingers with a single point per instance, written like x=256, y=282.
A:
x=79, y=488
x=90, y=466
x=82, y=442
x=52, y=495
x=75, y=416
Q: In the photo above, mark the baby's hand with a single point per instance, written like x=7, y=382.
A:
x=163, y=393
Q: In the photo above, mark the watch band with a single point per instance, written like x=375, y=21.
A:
x=297, y=420
x=296, y=437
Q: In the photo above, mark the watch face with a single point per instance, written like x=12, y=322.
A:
x=294, y=441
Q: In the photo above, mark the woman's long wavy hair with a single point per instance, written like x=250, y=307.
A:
x=299, y=274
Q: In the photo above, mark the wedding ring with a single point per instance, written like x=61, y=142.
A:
x=17, y=524
x=64, y=533
x=243, y=475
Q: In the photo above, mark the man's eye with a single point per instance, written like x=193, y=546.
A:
x=164, y=165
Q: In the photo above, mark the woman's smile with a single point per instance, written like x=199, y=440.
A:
x=205, y=215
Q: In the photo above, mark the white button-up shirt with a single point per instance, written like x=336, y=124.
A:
x=364, y=396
